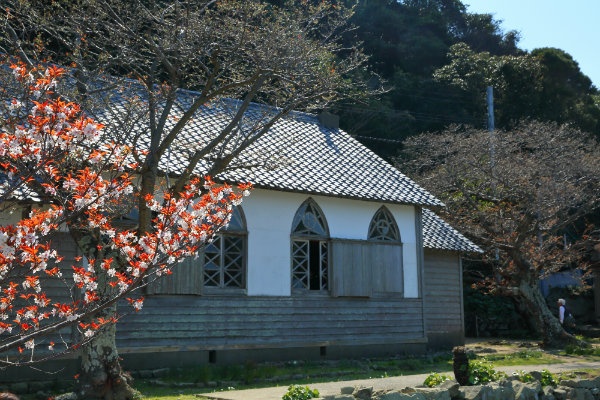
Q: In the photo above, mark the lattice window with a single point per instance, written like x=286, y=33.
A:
x=310, y=248
x=383, y=226
x=225, y=257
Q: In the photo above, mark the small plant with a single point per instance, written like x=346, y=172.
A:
x=523, y=376
x=297, y=392
x=574, y=349
x=435, y=379
x=548, y=378
x=482, y=372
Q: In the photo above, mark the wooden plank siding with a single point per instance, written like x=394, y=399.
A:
x=362, y=268
x=442, y=296
x=211, y=322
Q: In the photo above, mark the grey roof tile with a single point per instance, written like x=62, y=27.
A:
x=15, y=190
x=437, y=234
x=297, y=154
x=301, y=155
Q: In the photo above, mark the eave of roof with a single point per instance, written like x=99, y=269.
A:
x=439, y=235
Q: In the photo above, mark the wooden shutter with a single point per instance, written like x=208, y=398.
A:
x=186, y=279
x=351, y=269
x=386, y=261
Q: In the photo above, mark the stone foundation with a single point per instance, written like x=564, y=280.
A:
x=508, y=389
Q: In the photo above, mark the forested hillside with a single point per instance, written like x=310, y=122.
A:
x=437, y=60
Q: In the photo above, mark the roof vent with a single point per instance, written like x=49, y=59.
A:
x=329, y=120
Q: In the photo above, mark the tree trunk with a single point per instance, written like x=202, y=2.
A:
x=532, y=304
x=101, y=376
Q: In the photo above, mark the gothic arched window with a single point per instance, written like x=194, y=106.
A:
x=310, y=249
x=383, y=226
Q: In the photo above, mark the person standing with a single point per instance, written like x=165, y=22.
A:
x=564, y=316
x=561, y=310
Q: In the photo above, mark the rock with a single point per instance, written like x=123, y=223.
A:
x=579, y=394
x=475, y=392
x=347, y=390
x=568, y=382
x=500, y=392
x=363, y=393
x=434, y=393
x=560, y=393
x=66, y=396
x=397, y=395
x=452, y=387
x=588, y=383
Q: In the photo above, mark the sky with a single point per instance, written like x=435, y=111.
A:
x=573, y=26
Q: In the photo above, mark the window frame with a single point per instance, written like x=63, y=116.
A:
x=383, y=211
x=322, y=240
x=242, y=234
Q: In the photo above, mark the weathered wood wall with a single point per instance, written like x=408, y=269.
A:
x=443, y=305
x=211, y=322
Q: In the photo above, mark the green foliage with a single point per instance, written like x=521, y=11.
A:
x=493, y=315
x=297, y=392
x=574, y=349
x=482, y=372
x=523, y=376
x=435, y=379
x=548, y=378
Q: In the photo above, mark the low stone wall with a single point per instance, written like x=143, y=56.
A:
x=508, y=389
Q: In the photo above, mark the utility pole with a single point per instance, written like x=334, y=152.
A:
x=490, y=104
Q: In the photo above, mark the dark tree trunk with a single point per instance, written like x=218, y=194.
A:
x=101, y=375
x=532, y=304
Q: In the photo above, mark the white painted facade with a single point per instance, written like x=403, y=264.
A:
x=269, y=216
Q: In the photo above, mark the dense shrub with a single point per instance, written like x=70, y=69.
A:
x=297, y=392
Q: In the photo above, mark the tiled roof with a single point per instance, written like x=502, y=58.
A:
x=437, y=234
x=15, y=190
x=297, y=154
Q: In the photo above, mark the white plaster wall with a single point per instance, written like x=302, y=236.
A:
x=269, y=216
x=405, y=218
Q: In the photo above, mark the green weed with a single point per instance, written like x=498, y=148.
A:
x=435, y=379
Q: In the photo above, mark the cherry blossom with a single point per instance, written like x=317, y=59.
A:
x=56, y=152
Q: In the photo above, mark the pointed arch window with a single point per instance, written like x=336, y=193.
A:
x=383, y=226
x=310, y=248
x=225, y=258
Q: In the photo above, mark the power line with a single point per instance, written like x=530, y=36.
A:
x=415, y=115
x=377, y=139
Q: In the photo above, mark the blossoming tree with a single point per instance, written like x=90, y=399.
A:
x=51, y=152
x=179, y=57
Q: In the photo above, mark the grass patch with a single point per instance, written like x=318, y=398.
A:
x=522, y=357
x=184, y=384
x=255, y=375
